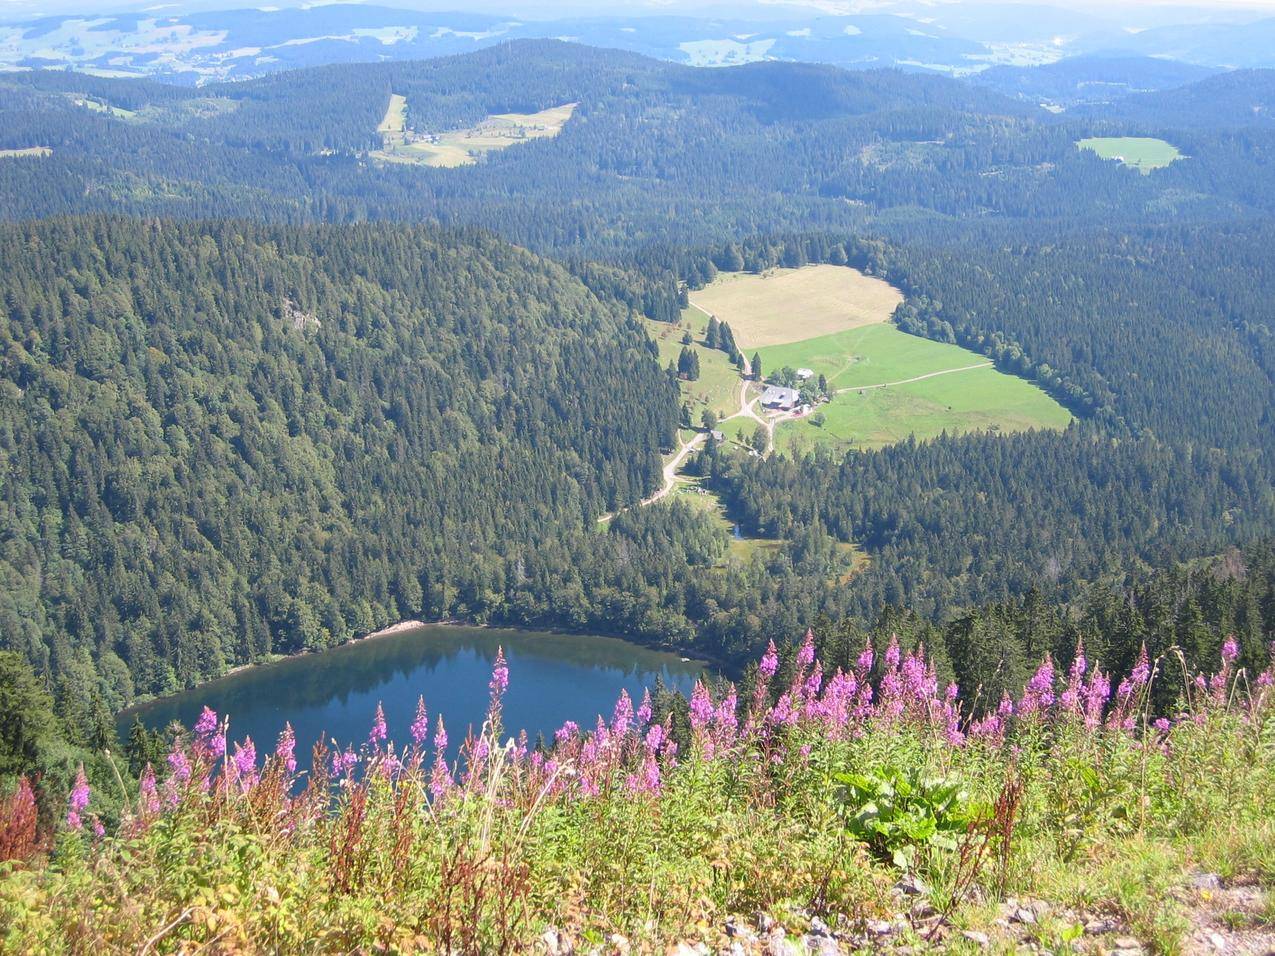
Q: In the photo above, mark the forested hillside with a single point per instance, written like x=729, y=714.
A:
x=222, y=440
x=655, y=152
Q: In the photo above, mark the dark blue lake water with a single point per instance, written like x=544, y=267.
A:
x=553, y=677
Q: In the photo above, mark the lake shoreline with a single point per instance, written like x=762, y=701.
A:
x=403, y=627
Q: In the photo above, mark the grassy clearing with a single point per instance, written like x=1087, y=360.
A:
x=463, y=147
x=717, y=387
x=972, y=399
x=395, y=121
x=790, y=305
x=1141, y=152
x=975, y=400
x=870, y=355
x=741, y=548
x=26, y=152
x=98, y=106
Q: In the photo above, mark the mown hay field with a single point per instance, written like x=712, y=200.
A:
x=791, y=305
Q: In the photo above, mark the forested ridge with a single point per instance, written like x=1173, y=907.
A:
x=222, y=440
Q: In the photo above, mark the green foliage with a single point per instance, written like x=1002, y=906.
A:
x=903, y=814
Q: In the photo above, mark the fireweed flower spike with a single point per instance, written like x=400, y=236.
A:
x=769, y=661
x=376, y=736
x=644, y=709
x=245, y=763
x=285, y=750
x=420, y=724
x=806, y=656
x=78, y=800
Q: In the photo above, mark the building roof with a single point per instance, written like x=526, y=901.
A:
x=778, y=395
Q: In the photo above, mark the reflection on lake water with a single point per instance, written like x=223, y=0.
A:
x=553, y=677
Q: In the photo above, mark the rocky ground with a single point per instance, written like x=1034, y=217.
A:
x=1236, y=917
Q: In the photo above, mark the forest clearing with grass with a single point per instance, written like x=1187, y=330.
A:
x=884, y=384
x=462, y=147
x=1143, y=153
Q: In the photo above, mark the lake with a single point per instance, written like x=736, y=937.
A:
x=553, y=677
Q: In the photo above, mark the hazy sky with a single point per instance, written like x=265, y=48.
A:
x=757, y=9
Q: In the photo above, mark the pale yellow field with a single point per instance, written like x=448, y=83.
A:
x=395, y=120
x=29, y=151
x=791, y=305
x=464, y=146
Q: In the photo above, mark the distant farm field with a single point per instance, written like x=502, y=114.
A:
x=25, y=152
x=461, y=147
x=870, y=355
x=790, y=305
x=395, y=120
x=1140, y=152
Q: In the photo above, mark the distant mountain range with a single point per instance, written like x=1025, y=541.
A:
x=957, y=39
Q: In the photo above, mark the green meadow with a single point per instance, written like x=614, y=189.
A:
x=955, y=398
x=1140, y=152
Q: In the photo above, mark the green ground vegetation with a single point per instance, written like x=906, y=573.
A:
x=803, y=819
x=1141, y=152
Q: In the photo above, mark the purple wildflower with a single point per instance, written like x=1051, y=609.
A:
x=1039, y=693
x=78, y=800
x=1141, y=672
x=499, y=675
x=344, y=762
x=286, y=749
x=701, y=706
x=148, y=793
x=566, y=731
x=892, y=652
x=245, y=763
x=622, y=717
x=644, y=710
x=179, y=764
x=376, y=736
x=1230, y=650
x=806, y=655
x=866, y=658
x=420, y=724
x=769, y=661
x=206, y=725
x=654, y=738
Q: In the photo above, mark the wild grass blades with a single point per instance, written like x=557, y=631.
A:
x=656, y=828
